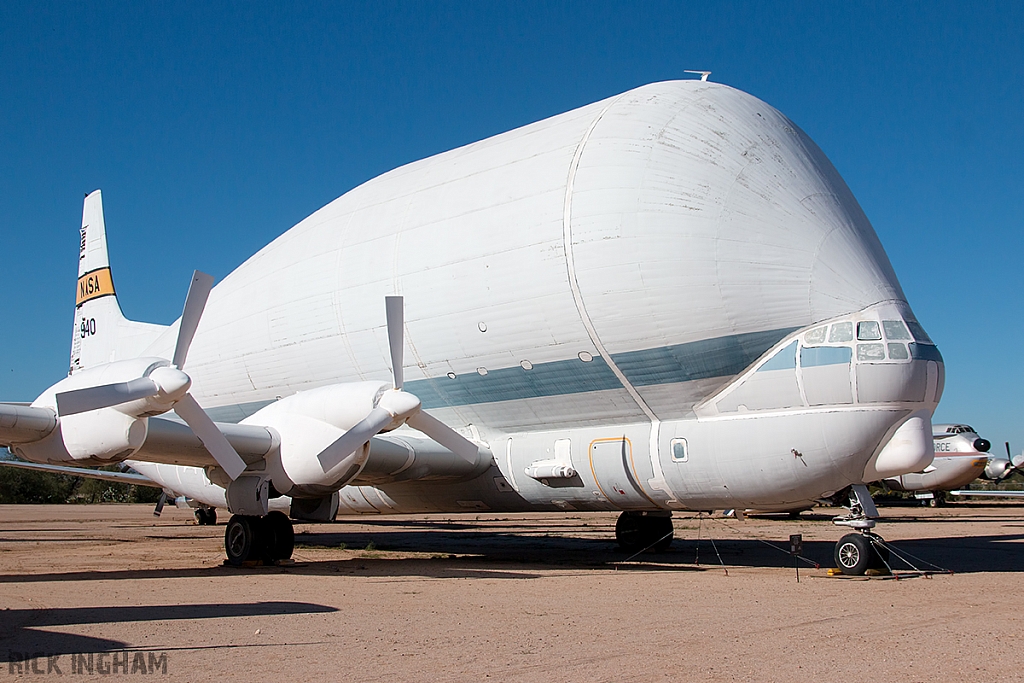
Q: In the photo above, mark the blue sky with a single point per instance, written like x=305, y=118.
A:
x=212, y=127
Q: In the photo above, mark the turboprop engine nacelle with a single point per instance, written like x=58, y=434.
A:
x=102, y=437
x=307, y=423
x=105, y=435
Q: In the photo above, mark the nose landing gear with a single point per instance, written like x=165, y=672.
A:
x=863, y=550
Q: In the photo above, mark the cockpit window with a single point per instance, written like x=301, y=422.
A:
x=960, y=429
x=895, y=329
x=816, y=336
x=898, y=351
x=870, y=352
x=867, y=330
x=918, y=332
x=814, y=356
x=783, y=360
x=841, y=332
x=925, y=352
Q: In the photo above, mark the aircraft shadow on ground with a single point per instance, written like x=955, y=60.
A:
x=21, y=637
x=526, y=553
x=1000, y=553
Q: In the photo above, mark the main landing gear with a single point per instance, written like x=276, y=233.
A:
x=636, y=531
x=862, y=550
x=206, y=516
x=259, y=539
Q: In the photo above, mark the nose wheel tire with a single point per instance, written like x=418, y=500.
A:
x=856, y=553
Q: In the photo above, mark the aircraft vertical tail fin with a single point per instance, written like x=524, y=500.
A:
x=101, y=334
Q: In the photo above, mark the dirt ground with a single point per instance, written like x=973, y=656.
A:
x=507, y=598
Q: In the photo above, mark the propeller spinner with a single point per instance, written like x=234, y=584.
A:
x=396, y=406
x=168, y=386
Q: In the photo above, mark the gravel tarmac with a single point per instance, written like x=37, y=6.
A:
x=524, y=597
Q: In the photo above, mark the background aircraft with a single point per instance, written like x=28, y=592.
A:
x=998, y=469
x=961, y=456
x=666, y=300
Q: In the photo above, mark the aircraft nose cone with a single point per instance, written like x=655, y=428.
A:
x=982, y=445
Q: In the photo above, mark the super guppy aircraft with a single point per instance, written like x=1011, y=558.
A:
x=666, y=300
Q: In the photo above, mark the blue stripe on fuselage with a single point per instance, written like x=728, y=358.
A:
x=719, y=357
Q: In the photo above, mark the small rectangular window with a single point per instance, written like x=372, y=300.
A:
x=679, y=453
x=898, y=352
x=816, y=336
x=867, y=330
x=869, y=352
x=841, y=332
x=895, y=330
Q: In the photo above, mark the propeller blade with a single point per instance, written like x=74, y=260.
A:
x=105, y=395
x=1008, y=456
x=353, y=439
x=195, y=302
x=394, y=308
x=223, y=452
x=444, y=435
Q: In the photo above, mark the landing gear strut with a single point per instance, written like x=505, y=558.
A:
x=636, y=531
x=259, y=539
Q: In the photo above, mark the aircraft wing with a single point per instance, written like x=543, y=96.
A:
x=173, y=443
x=21, y=423
x=116, y=477
x=167, y=441
x=988, y=494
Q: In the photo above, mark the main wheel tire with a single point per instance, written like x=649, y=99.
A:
x=637, y=531
x=854, y=554
x=280, y=536
x=242, y=539
x=206, y=516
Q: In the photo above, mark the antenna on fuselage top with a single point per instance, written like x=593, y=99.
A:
x=703, y=74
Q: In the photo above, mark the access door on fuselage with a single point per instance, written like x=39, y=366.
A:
x=611, y=462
